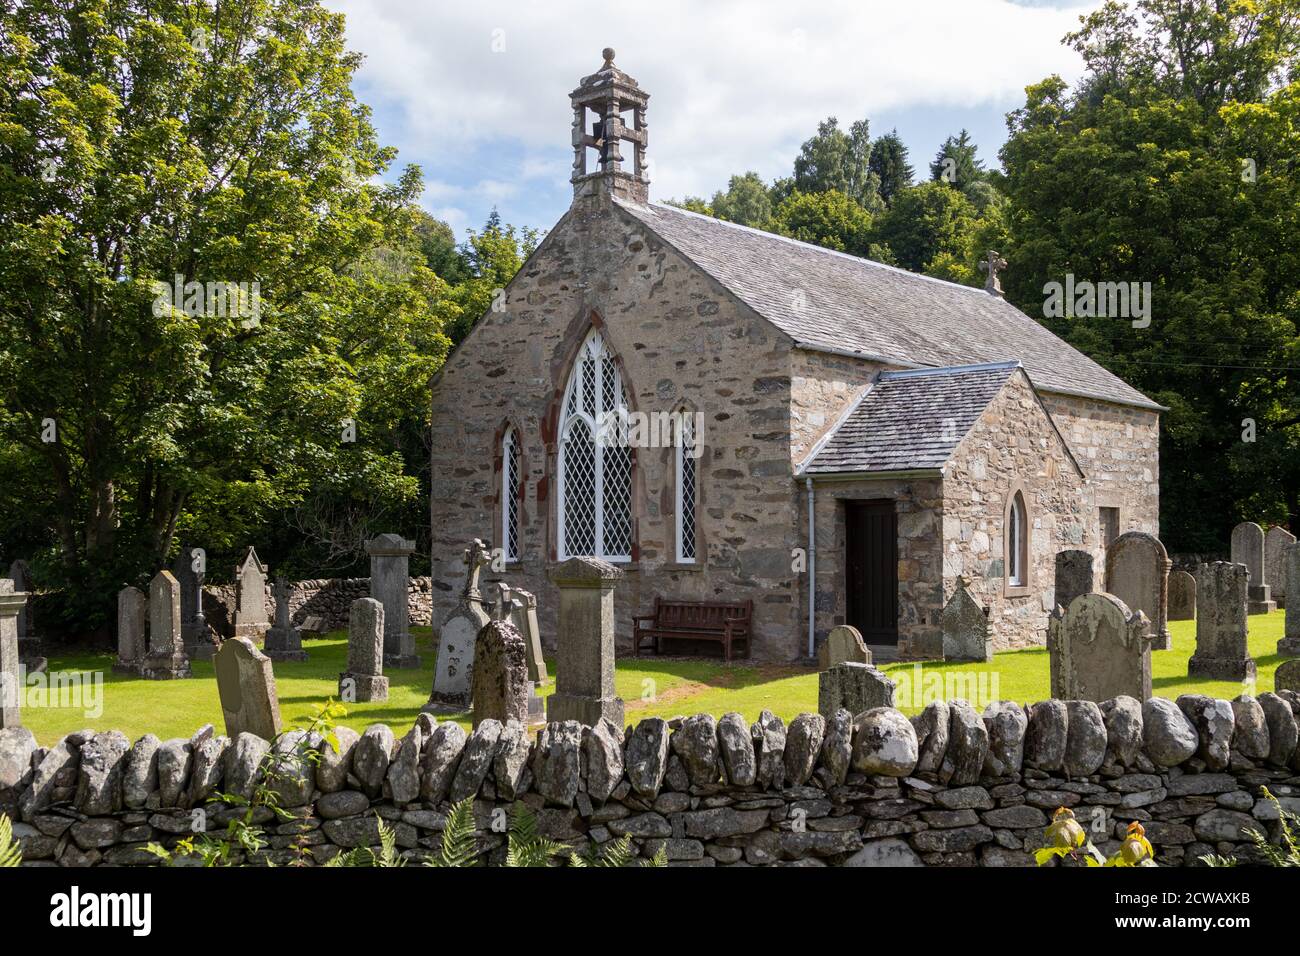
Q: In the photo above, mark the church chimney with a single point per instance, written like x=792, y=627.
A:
x=599, y=105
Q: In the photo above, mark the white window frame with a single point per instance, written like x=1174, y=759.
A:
x=510, y=451
x=1017, y=540
x=684, y=429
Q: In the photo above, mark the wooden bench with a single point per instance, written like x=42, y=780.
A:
x=696, y=621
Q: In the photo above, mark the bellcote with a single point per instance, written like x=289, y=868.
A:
x=609, y=111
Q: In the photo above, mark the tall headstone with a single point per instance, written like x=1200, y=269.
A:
x=584, y=667
x=189, y=571
x=166, y=658
x=1248, y=550
x=853, y=686
x=1276, y=541
x=455, y=665
x=283, y=640
x=1103, y=650
x=501, y=689
x=364, y=679
x=132, y=630
x=1182, y=596
x=1137, y=572
x=1074, y=577
x=250, y=597
x=246, y=686
x=965, y=626
x=12, y=603
x=843, y=643
x=390, y=585
x=1221, y=623
x=1290, y=643
x=523, y=615
x=21, y=578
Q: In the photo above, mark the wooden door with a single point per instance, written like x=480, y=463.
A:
x=871, y=569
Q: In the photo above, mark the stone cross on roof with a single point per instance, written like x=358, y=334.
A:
x=476, y=557
x=992, y=264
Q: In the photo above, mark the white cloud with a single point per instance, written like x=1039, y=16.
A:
x=734, y=85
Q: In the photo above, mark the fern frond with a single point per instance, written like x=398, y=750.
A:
x=10, y=854
x=388, y=855
x=524, y=846
x=459, y=843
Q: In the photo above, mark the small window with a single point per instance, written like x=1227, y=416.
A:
x=687, y=460
x=1017, y=542
x=510, y=494
x=1108, y=518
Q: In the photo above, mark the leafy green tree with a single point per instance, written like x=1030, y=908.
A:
x=925, y=221
x=830, y=219
x=834, y=160
x=491, y=257
x=957, y=162
x=746, y=201
x=889, y=164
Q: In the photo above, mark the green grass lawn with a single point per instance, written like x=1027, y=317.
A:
x=661, y=687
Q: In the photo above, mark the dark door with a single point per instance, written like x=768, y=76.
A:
x=871, y=566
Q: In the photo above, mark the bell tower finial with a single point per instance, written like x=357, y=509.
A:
x=609, y=94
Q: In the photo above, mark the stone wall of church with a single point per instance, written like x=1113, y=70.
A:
x=680, y=338
x=821, y=387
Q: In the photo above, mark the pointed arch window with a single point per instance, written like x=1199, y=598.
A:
x=595, y=464
x=510, y=483
x=1017, y=542
x=687, y=459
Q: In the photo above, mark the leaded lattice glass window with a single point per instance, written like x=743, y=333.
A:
x=686, y=473
x=510, y=482
x=595, y=469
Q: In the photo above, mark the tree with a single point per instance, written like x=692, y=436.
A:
x=889, y=163
x=957, y=162
x=925, y=221
x=490, y=258
x=746, y=201
x=829, y=219
x=833, y=160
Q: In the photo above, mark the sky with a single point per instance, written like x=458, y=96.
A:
x=477, y=94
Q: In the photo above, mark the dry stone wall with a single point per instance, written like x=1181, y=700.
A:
x=948, y=787
x=327, y=598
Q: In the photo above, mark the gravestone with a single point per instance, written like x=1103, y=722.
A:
x=1248, y=550
x=853, y=686
x=12, y=603
x=584, y=667
x=246, y=686
x=390, y=585
x=22, y=580
x=1137, y=572
x=166, y=658
x=1074, y=577
x=455, y=665
x=188, y=571
x=1289, y=645
x=523, y=615
x=1221, y=649
x=283, y=640
x=501, y=689
x=843, y=643
x=132, y=628
x=1102, y=650
x=965, y=626
x=1182, y=596
x=313, y=624
x=250, y=597
x=1276, y=542
x=364, y=680
x=1287, y=677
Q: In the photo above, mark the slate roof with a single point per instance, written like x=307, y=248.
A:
x=827, y=299
x=908, y=421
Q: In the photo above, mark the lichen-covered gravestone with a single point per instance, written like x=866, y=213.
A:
x=1074, y=576
x=1248, y=550
x=1289, y=645
x=250, y=597
x=132, y=624
x=364, y=679
x=1276, y=541
x=166, y=658
x=1182, y=596
x=11, y=605
x=965, y=625
x=523, y=615
x=501, y=687
x=283, y=640
x=584, y=670
x=21, y=578
x=455, y=665
x=855, y=687
x=843, y=643
x=390, y=585
x=1103, y=650
x=1137, y=572
x=1287, y=677
x=1221, y=624
x=246, y=685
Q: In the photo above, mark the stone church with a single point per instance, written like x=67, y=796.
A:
x=731, y=415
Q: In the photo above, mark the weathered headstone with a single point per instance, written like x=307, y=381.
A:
x=1287, y=677
x=455, y=665
x=843, y=643
x=1102, y=650
x=1074, y=577
x=246, y=685
x=1276, y=541
x=1137, y=572
x=965, y=625
x=22, y=580
x=1289, y=645
x=390, y=585
x=523, y=614
x=313, y=624
x=189, y=572
x=855, y=687
x=12, y=603
x=364, y=679
x=132, y=628
x=501, y=689
x=1182, y=596
x=250, y=597
x=283, y=640
x=1221, y=624
x=584, y=667
x=1248, y=550
x=166, y=658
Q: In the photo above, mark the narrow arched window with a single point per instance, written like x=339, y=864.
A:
x=1017, y=549
x=687, y=457
x=510, y=482
x=595, y=464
